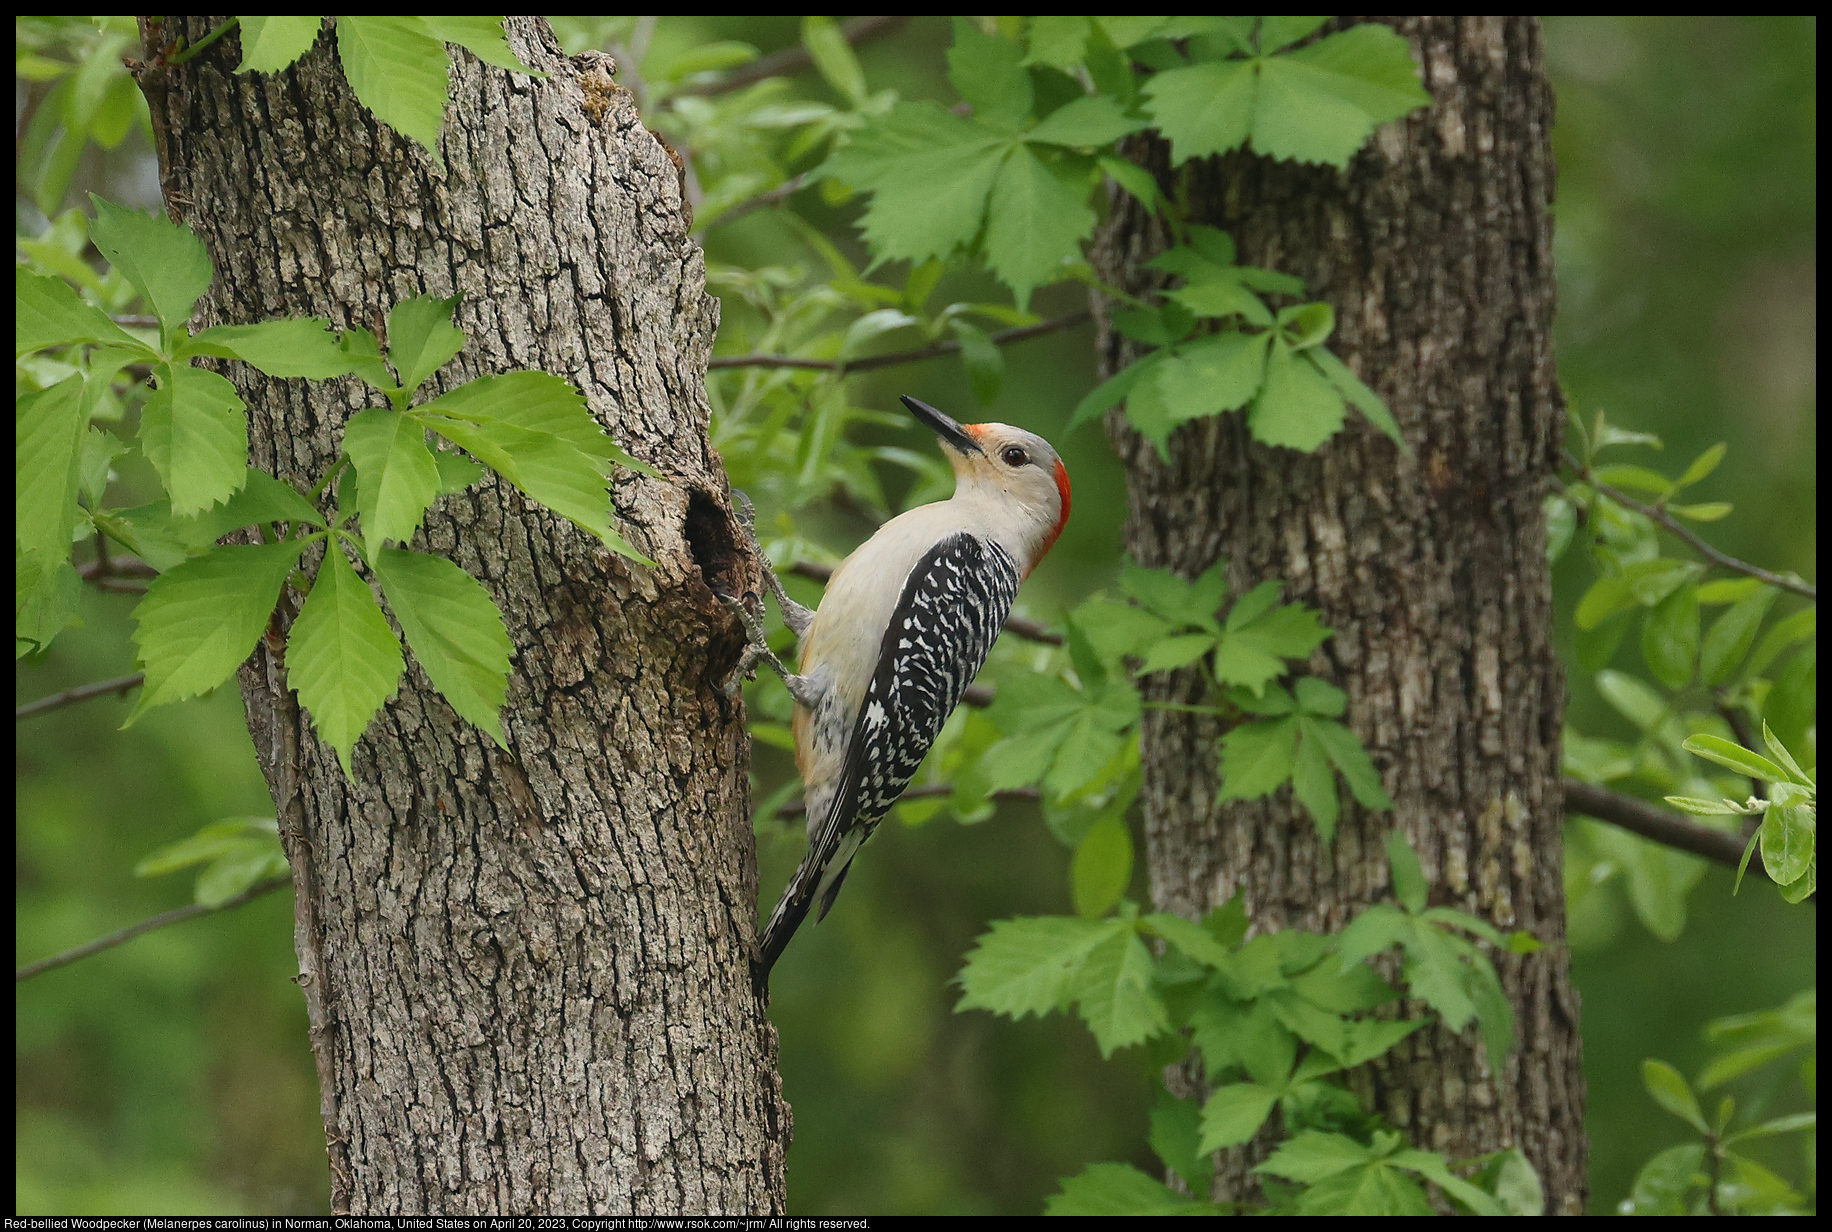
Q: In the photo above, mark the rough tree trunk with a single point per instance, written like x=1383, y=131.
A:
x=525, y=971
x=1435, y=249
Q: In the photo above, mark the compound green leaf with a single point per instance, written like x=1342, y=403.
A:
x=48, y=427
x=1027, y=965
x=1359, y=395
x=1234, y=1113
x=1058, y=41
x=480, y=35
x=1257, y=757
x=194, y=430
x=1206, y=108
x=397, y=69
x=1091, y=120
x=1114, y=988
x=202, y=617
x=455, y=631
x=1037, y=222
x=163, y=261
x=341, y=657
x=270, y=44
x=399, y=476
x=1296, y=407
x=421, y=338
x=1312, y=782
x=1116, y=1189
x=987, y=72
x=292, y=347
x=48, y=312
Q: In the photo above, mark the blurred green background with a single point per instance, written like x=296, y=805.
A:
x=171, y=1075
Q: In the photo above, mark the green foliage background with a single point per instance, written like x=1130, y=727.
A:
x=172, y=1074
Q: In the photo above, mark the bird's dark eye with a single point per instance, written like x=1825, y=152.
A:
x=1014, y=456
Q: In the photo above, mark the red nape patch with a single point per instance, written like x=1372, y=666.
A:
x=1062, y=490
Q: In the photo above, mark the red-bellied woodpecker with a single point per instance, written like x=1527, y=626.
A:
x=902, y=630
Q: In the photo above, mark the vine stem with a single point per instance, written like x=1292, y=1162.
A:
x=1685, y=534
x=205, y=41
x=948, y=346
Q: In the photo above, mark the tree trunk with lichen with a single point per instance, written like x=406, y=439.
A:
x=1435, y=248
x=525, y=971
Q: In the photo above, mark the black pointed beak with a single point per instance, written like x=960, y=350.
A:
x=941, y=425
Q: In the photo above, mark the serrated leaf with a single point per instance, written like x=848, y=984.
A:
x=456, y=472
x=46, y=591
x=1310, y=1156
x=364, y=355
x=1303, y=326
x=422, y=338
x=1220, y=373
x=48, y=312
x=1257, y=757
x=1372, y=931
x=1176, y=1130
x=1175, y=652
x=1133, y=178
x=194, y=430
x=1431, y=1166
x=1037, y=221
x=1115, y=1189
x=1234, y=1113
x=1111, y=391
x=1114, y=989
x=260, y=499
x=1193, y=939
x=202, y=617
x=1369, y=66
x=270, y=44
x=1311, y=781
x=397, y=69
x=1319, y=697
x=48, y=428
x=483, y=37
x=1296, y=407
x=341, y=657
x=1435, y=975
x=163, y=261
x=1026, y=966
x=454, y=630
x=1091, y=120
x=399, y=477
x=292, y=347
x=986, y=70
x=1206, y=108
x=100, y=449
x=833, y=57
x=1409, y=885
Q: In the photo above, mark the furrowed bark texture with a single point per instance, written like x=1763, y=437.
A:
x=1435, y=249
x=526, y=971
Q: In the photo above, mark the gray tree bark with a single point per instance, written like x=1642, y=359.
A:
x=1435, y=249
x=526, y=971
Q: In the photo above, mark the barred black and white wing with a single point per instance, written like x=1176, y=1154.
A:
x=952, y=607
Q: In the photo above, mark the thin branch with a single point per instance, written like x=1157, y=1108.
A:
x=82, y=693
x=1650, y=822
x=1029, y=630
x=1685, y=534
x=115, y=566
x=929, y=791
x=203, y=42
x=175, y=916
x=135, y=320
x=792, y=60
x=776, y=196
x=948, y=346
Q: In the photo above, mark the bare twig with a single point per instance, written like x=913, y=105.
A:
x=82, y=693
x=1029, y=630
x=1685, y=534
x=776, y=196
x=135, y=320
x=948, y=346
x=175, y=916
x=796, y=808
x=792, y=60
x=1650, y=822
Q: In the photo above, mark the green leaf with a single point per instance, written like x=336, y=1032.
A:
x=48, y=312
x=341, y=657
x=1091, y=120
x=929, y=172
x=422, y=338
x=981, y=357
x=1193, y=939
x=1252, y=653
x=480, y=35
x=1664, y=1181
x=1303, y=326
x=1409, y=885
x=201, y=618
x=364, y=356
x=455, y=631
x=1116, y=1189
x=1114, y=989
x=1733, y=756
x=833, y=57
x=1310, y=1156
x=1639, y=478
x=1175, y=652
x=1669, y=637
x=1102, y=868
x=1705, y=808
x=1219, y=373
x=1311, y=780
x=1435, y=975
x=1669, y=1089
x=1702, y=466
x=46, y=591
x=1788, y=631
x=1037, y=221
x=1027, y=965
x=1179, y=600
x=1175, y=1134
x=1112, y=390
x=1372, y=931
x=1788, y=842
x=48, y=429
x=270, y=44
x=456, y=472
x=261, y=499
x=1711, y=594
x=1634, y=700
x=161, y=260
x=1431, y=1166
x=1710, y=511
x=399, y=476
x=1296, y=407
x=1234, y=1113
x=986, y=70
x=1205, y=109
x=1732, y=634
x=1353, y=762
x=100, y=449
x=1368, y=66
x=398, y=71
x=291, y=347
x=194, y=430
x=1257, y=757
x=1784, y=758
x=1319, y=697
x=1350, y=386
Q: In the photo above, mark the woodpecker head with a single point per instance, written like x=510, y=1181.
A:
x=1015, y=472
